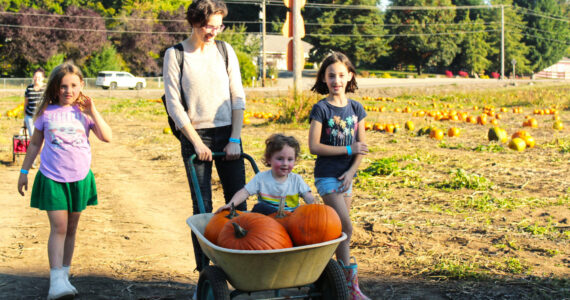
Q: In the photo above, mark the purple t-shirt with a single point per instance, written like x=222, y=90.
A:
x=66, y=156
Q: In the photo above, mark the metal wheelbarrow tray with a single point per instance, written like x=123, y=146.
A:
x=257, y=270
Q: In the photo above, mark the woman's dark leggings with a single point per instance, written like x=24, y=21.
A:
x=231, y=173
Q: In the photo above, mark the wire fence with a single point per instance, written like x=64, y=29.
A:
x=22, y=83
x=152, y=83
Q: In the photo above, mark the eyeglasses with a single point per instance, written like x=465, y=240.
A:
x=211, y=28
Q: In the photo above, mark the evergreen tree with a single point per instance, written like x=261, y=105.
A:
x=358, y=33
x=474, y=48
x=547, y=33
x=107, y=59
x=423, y=38
x=515, y=49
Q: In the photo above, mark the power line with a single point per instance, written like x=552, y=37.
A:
x=528, y=27
x=533, y=13
x=404, y=35
x=543, y=38
x=393, y=24
x=373, y=7
x=241, y=33
x=88, y=30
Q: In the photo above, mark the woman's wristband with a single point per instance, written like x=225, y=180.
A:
x=348, y=150
x=24, y=171
x=237, y=141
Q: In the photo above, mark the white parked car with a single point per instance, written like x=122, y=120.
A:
x=116, y=79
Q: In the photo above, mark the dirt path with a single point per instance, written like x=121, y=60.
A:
x=136, y=233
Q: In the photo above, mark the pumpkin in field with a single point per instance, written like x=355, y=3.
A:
x=482, y=119
x=409, y=126
x=436, y=133
x=517, y=144
x=424, y=130
x=217, y=222
x=254, y=231
x=314, y=223
x=497, y=134
x=519, y=134
x=453, y=131
x=558, y=125
x=529, y=141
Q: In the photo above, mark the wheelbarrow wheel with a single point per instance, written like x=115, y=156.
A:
x=212, y=284
x=332, y=283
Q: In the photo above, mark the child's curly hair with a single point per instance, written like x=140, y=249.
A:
x=276, y=142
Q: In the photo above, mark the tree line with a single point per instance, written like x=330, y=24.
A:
x=428, y=35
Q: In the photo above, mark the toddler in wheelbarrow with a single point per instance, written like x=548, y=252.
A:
x=254, y=250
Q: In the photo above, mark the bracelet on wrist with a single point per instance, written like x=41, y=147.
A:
x=237, y=141
x=348, y=150
x=24, y=171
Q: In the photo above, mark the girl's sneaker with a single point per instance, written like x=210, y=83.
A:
x=57, y=287
x=66, y=278
x=352, y=280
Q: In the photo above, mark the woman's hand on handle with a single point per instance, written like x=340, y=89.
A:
x=232, y=150
x=202, y=151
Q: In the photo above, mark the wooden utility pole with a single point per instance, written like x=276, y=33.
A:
x=502, y=42
x=263, y=32
x=297, y=68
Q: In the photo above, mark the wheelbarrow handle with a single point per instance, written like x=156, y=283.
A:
x=194, y=176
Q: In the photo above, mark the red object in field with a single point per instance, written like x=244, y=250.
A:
x=448, y=73
x=20, y=145
x=495, y=75
x=463, y=74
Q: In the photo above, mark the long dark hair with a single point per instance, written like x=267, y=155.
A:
x=276, y=142
x=201, y=10
x=51, y=94
x=320, y=84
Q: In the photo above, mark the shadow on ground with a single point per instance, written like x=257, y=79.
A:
x=98, y=287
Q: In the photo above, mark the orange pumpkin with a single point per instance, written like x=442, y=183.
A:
x=482, y=119
x=254, y=231
x=529, y=141
x=519, y=134
x=314, y=223
x=453, y=131
x=217, y=222
x=436, y=133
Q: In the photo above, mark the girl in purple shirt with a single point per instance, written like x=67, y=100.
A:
x=64, y=185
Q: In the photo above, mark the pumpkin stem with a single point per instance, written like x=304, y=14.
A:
x=281, y=211
x=232, y=213
x=239, y=231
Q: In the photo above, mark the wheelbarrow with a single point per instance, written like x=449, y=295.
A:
x=308, y=268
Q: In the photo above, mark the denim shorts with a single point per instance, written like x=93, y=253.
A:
x=329, y=185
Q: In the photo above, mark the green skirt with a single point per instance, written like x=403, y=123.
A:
x=48, y=194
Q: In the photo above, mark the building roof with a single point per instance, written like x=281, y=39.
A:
x=278, y=44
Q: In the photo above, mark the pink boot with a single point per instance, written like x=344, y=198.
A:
x=352, y=280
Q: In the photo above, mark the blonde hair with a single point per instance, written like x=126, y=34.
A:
x=51, y=93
